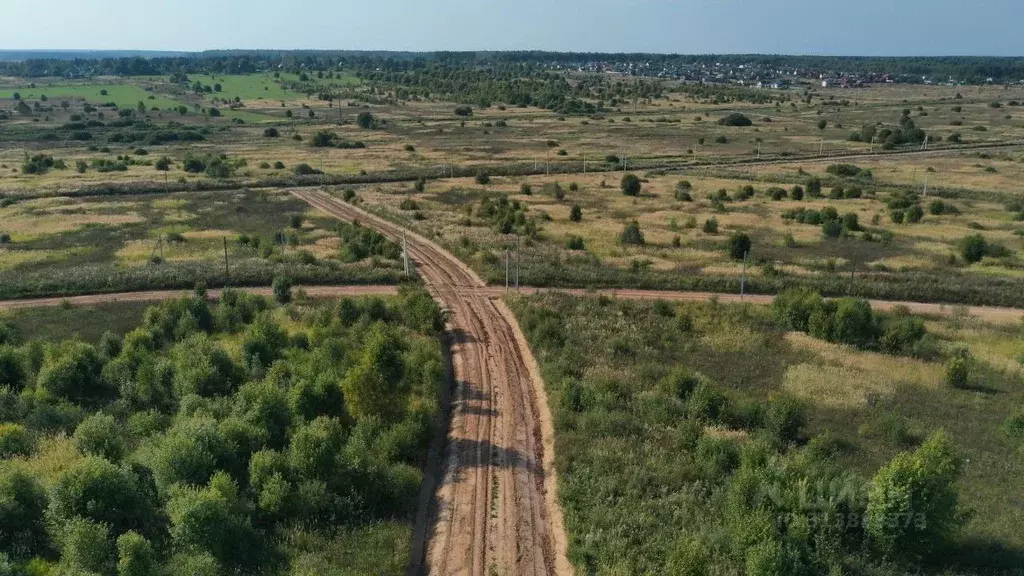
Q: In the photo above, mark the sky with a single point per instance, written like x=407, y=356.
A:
x=830, y=27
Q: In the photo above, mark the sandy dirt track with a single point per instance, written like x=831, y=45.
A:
x=158, y=295
x=494, y=508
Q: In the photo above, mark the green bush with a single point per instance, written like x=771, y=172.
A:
x=739, y=246
x=15, y=440
x=735, y=119
x=631, y=235
x=23, y=504
x=958, y=369
x=913, y=505
x=631, y=185
x=973, y=248
x=100, y=435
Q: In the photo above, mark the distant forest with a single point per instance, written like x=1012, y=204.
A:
x=88, y=63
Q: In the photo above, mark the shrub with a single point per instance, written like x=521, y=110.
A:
x=15, y=440
x=913, y=505
x=832, y=228
x=482, y=178
x=271, y=133
x=23, y=504
x=739, y=246
x=797, y=193
x=100, y=435
x=958, y=368
x=573, y=242
x=973, y=248
x=792, y=309
x=525, y=189
x=844, y=170
x=631, y=235
x=631, y=185
x=814, y=188
x=734, y=119
x=575, y=213
x=282, y=288
x=365, y=120
x=710, y=226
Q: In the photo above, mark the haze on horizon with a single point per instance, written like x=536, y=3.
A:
x=867, y=28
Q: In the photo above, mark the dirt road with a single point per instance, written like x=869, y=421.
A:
x=494, y=507
x=158, y=295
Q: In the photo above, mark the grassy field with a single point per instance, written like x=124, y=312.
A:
x=62, y=245
x=679, y=243
x=645, y=476
x=126, y=93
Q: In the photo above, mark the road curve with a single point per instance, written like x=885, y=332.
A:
x=494, y=508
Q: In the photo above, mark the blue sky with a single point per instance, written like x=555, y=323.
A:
x=859, y=27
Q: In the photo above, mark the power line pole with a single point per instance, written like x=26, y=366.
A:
x=518, y=259
x=227, y=270
x=584, y=163
x=405, y=253
x=743, y=279
x=506, y=270
x=821, y=148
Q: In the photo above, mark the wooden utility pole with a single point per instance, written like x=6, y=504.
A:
x=227, y=269
x=743, y=279
x=405, y=253
x=506, y=270
x=518, y=258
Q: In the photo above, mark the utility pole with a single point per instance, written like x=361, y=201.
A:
x=518, y=258
x=853, y=271
x=227, y=270
x=925, y=186
x=161, y=248
x=624, y=160
x=547, y=163
x=584, y=163
x=506, y=270
x=758, y=150
x=405, y=253
x=743, y=279
x=821, y=148
x=872, y=149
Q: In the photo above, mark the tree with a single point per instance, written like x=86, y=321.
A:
x=482, y=178
x=575, y=213
x=365, y=120
x=631, y=235
x=913, y=505
x=463, y=111
x=72, y=371
x=203, y=368
x=13, y=373
x=631, y=185
x=822, y=124
x=316, y=448
x=22, y=511
x=271, y=132
x=163, y=164
x=739, y=246
x=85, y=547
x=973, y=248
x=209, y=520
x=853, y=322
x=374, y=386
x=135, y=556
x=96, y=489
x=915, y=213
x=217, y=87
x=100, y=435
x=814, y=188
x=282, y=288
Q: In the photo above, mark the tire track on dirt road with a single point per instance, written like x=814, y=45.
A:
x=493, y=506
